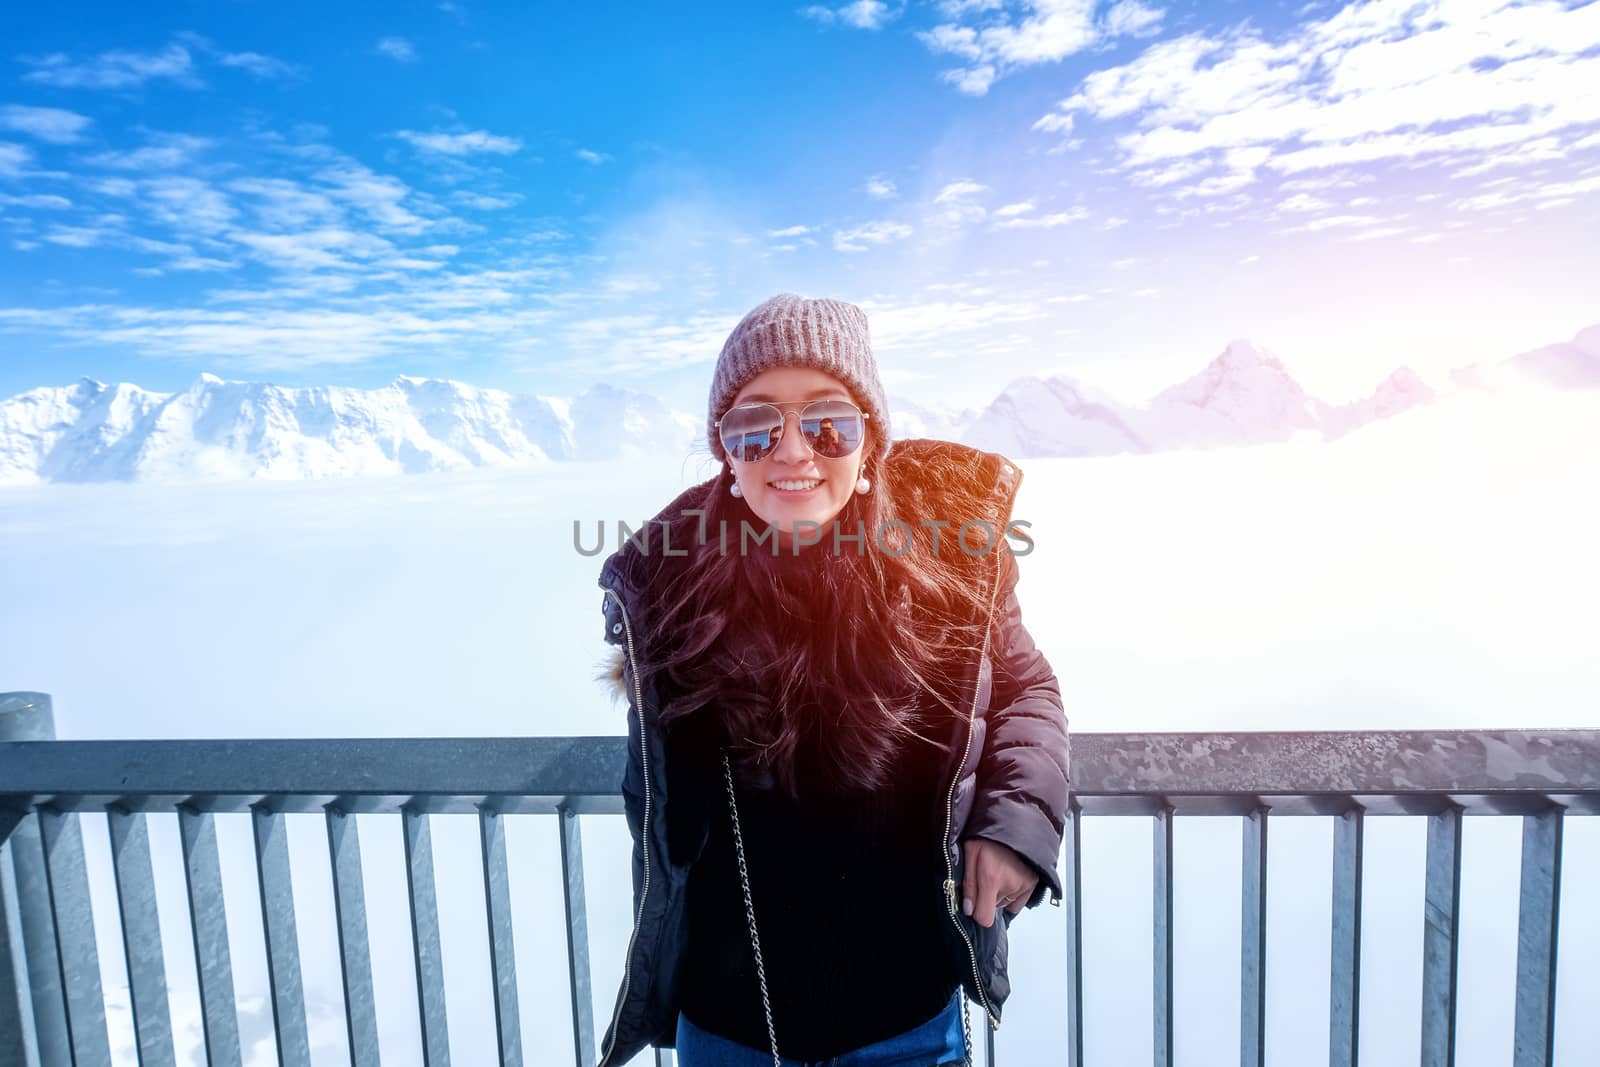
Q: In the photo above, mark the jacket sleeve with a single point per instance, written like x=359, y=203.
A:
x=1024, y=777
x=632, y=784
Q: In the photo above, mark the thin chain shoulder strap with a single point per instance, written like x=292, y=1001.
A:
x=750, y=911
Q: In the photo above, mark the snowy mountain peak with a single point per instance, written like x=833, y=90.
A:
x=1242, y=354
x=217, y=429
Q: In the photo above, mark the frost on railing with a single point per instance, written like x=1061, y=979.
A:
x=53, y=1009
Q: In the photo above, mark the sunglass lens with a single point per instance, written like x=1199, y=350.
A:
x=832, y=428
x=750, y=432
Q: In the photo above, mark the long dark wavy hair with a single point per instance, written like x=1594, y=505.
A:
x=819, y=666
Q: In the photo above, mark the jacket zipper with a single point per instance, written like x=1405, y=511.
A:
x=949, y=811
x=644, y=835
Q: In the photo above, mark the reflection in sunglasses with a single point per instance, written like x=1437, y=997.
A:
x=831, y=428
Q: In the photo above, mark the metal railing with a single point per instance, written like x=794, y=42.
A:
x=52, y=1010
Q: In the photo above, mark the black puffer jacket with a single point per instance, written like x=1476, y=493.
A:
x=1011, y=785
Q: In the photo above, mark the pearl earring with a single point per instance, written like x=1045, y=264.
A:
x=734, y=489
x=863, y=485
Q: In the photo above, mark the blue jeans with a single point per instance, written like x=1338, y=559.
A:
x=935, y=1043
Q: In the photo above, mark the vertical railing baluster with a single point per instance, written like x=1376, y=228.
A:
x=1344, y=987
x=1253, y=940
x=18, y=1042
x=208, y=926
x=1537, y=913
x=36, y=968
x=283, y=948
x=141, y=936
x=48, y=1025
x=502, y=954
x=577, y=936
x=1072, y=898
x=1441, y=927
x=431, y=1014
x=355, y=958
x=1162, y=940
x=76, y=950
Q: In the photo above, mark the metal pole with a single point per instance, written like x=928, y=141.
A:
x=33, y=1014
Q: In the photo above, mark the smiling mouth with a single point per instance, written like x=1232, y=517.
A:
x=795, y=485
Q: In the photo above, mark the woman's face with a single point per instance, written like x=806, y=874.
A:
x=778, y=488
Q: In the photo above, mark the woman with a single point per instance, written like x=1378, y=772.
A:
x=847, y=759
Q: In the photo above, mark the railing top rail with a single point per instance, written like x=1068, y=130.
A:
x=1290, y=772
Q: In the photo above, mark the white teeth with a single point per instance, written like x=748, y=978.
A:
x=798, y=487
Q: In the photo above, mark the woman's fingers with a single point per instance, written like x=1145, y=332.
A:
x=994, y=877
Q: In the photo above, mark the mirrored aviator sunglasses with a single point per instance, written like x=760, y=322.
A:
x=832, y=428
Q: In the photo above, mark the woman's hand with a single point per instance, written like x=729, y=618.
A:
x=995, y=876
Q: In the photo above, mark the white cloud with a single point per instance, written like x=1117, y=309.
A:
x=113, y=70
x=14, y=159
x=259, y=65
x=461, y=144
x=396, y=48
x=189, y=205
x=1010, y=210
x=1133, y=19
x=313, y=250
x=1303, y=202
x=1375, y=81
x=954, y=9
x=1536, y=191
x=1379, y=232
x=1054, y=122
x=485, y=202
x=281, y=204
x=877, y=233
x=1046, y=31
x=930, y=325
x=958, y=190
x=79, y=236
x=120, y=187
x=881, y=188
x=378, y=196
x=862, y=14
x=45, y=201
x=166, y=151
x=253, y=63
x=1043, y=222
x=591, y=156
x=789, y=231
x=52, y=124
x=974, y=81
x=1329, y=222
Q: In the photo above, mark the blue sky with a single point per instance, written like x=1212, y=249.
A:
x=537, y=200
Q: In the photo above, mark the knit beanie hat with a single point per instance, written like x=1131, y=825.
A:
x=792, y=331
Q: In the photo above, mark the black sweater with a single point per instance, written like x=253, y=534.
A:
x=848, y=892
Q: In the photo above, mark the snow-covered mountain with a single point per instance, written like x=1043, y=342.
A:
x=1573, y=364
x=1243, y=396
x=907, y=418
x=1054, y=416
x=1401, y=391
x=93, y=432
